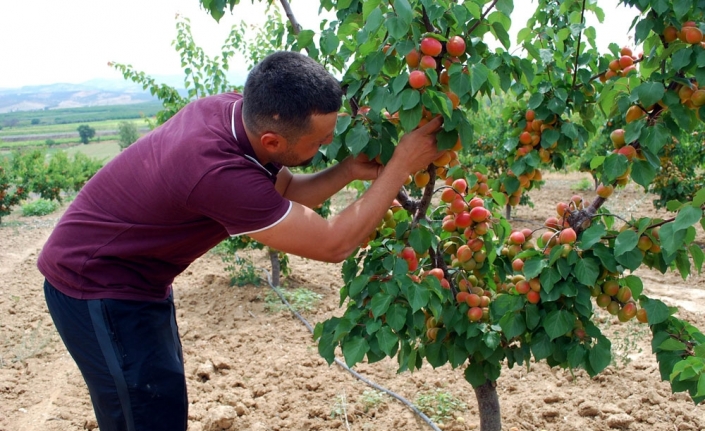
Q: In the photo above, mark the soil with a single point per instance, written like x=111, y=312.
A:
x=249, y=368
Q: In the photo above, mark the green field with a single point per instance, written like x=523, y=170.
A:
x=21, y=119
x=45, y=129
x=103, y=151
x=57, y=127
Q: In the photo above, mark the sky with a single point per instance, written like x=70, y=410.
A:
x=72, y=41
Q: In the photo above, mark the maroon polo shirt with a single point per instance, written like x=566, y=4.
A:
x=161, y=203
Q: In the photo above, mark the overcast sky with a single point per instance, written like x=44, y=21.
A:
x=52, y=41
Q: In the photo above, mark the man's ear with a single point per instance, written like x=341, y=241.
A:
x=272, y=142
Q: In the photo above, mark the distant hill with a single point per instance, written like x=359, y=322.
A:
x=96, y=92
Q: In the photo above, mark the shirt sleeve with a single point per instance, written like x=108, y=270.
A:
x=241, y=198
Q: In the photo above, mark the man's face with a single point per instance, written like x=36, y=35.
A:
x=302, y=152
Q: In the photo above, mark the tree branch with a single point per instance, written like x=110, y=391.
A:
x=290, y=14
x=577, y=51
x=482, y=17
x=427, y=195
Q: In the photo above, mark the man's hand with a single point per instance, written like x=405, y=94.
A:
x=362, y=168
x=416, y=150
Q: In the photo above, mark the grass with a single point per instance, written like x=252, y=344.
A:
x=583, y=185
x=302, y=299
x=104, y=150
x=439, y=405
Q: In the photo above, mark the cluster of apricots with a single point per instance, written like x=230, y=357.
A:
x=691, y=95
x=426, y=58
x=530, y=137
x=386, y=225
x=628, y=151
x=689, y=33
x=617, y=299
x=526, y=181
x=621, y=66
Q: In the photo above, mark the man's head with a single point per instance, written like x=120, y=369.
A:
x=291, y=96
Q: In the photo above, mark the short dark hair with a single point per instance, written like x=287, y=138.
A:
x=284, y=90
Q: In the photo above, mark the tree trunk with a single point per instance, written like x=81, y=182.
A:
x=276, y=267
x=488, y=404
x=508, y=212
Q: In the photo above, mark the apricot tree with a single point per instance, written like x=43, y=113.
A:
x=448, y=280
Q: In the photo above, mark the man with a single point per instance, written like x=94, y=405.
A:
x=217, y=168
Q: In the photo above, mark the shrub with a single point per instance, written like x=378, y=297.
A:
x=39, y=207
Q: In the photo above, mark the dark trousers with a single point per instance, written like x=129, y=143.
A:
x=130, y=356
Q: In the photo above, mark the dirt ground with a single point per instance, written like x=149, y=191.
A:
x=252, y=369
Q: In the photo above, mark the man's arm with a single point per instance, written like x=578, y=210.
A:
x=306, y=234
x=312, y=190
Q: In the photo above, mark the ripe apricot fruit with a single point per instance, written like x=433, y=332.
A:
x=431, y=46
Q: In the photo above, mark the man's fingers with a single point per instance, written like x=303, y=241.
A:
x=432, y=126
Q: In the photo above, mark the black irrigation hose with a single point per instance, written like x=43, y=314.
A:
x=343, y=365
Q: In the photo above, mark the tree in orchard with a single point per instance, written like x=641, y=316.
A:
x=205, y=75
x=448, y=280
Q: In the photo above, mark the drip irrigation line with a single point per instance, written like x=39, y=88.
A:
x=344, y=365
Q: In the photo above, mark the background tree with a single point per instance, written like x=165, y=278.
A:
x=85, y=132
x=205, y=76
x=127, y=133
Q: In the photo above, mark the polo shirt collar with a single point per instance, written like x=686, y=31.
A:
x=238, y=131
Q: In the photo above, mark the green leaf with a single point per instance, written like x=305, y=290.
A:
x=410, y=98
x=533, y=316
x=387, y=340
x=650, y=92
x=558, y=322
x=305, y=38
x=643, y=173
x=535, y=100
x=682, y=7
x=397, y=27
x=587, y=270
x=699, y=198
x=380, y=303
x=656, y=311
x=410, y=118
x=656, y=137
x=615, y=165
x=417, y=295
x=478, y=76
x=600, y=356
x=631, y=259
x=671, y=239
x=635, y=284
x=592, y=235
x=475, y=374
x=512, y=325
x=687, y=217
x=698, y=256
x=420, y=239
x=492, y=339
x=358, y=284
x=356, y=139
x=504, y=304
x=533, y=267
x=460, y=84
x=671, y=344
x=396, y=316
x=354, y=350
x=626, y=241
x=541, y=346
x=404, y=11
